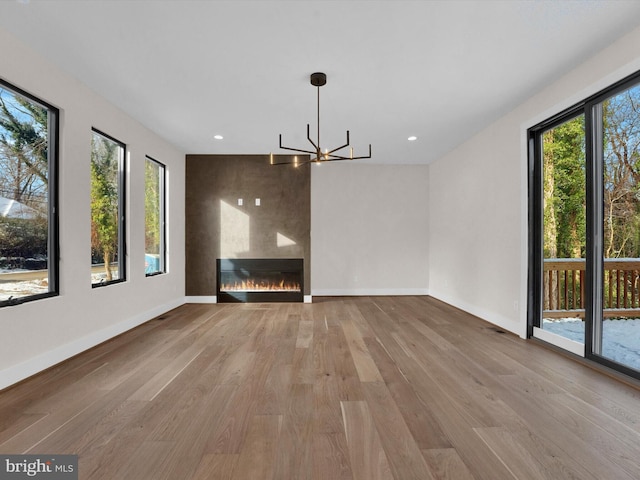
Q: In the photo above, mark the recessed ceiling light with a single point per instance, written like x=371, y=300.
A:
x=412, y=138
x=218, y=137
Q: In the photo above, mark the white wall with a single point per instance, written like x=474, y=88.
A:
x=369, y=229
x=478, y=195
x=455, y=229
x=38, y=334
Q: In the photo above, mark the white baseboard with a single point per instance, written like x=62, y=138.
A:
x=365, y=292
x=201, y=299
x=308, y=299
x=487, y=315
x=21, y=371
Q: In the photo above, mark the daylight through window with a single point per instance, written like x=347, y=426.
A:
x=585, y=228
x=154, y=217
x=107, y=210
x=28, y=226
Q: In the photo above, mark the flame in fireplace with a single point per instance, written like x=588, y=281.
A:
x=260, y=286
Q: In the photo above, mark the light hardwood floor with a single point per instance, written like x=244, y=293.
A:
x=360, y=388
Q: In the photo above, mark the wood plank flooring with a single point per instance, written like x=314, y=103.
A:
x=358, y=388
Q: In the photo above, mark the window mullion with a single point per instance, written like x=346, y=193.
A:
x=595, y=267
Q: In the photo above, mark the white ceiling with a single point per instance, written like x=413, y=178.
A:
x=440, y=70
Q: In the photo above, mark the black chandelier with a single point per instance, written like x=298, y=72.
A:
x=318, y=79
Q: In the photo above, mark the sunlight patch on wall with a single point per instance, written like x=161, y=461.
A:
x=283, y=241
x=234, y=231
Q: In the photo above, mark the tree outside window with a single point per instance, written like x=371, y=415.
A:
x=154, y=217
x=28, y=237
x=107, y=219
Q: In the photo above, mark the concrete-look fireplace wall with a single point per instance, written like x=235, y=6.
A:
x=241, y=206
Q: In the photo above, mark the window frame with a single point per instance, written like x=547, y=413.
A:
x=590, y=107
x=122, y=217
x=53, y=222
x=162, y=216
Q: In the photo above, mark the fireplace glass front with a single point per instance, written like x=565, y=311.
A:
x=259, y=280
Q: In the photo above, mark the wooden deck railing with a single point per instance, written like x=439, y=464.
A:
x=564, y=284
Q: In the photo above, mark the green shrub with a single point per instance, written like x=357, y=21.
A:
x=23, y=238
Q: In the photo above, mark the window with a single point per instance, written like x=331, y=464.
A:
x=584, y=271
x=28, y=200
x=154, y=217
x=107, y=210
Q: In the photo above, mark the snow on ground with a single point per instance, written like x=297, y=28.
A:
x=620, y=337
x=17, y=289
x=21, y=289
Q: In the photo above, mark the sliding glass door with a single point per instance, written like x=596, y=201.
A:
x=617, y=330
x=585, y=228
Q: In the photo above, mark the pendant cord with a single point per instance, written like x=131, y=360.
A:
x=318, y=144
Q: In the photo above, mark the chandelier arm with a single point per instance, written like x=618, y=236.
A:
x=340, y=158
x=363, y=156
x=336, y=149
x=294, y=149
x=281, y=163
x=311, y=141
x=290, y=163
x=343, y=146
x=333, y=156
x=295, y=162
x=329, y=157
x=310, y=152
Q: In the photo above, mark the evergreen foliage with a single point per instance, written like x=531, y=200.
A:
x=105, y=161
x=565, y=182
x=152, y=207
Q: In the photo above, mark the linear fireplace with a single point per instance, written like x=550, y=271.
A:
x=256, y=280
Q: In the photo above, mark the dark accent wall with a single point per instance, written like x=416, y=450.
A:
x=217, y=227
